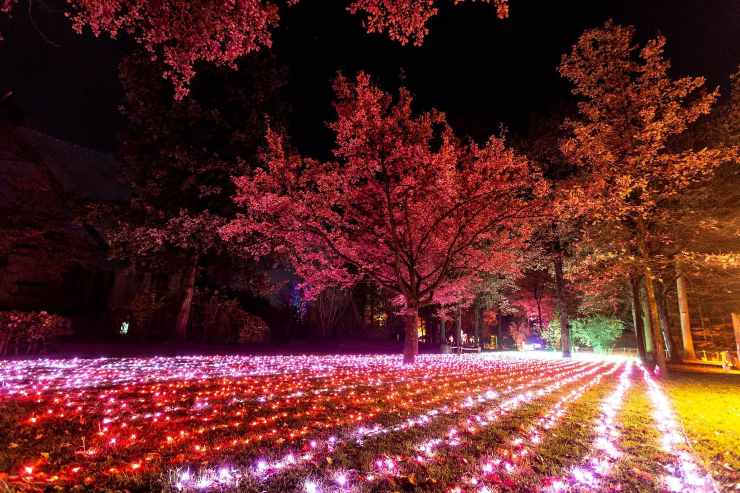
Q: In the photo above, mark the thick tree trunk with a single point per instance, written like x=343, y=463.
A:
x=411, y=336
x=183, y=316
x=660, y=355
x=634, y=285
x=665, y=327
x=648, y=332
x=562, y=305
x=683, y=310
x=645, y=254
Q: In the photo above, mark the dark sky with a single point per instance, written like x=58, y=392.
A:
x=480, y=70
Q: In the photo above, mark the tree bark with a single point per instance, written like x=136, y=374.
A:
x=665, y=327
x=634, y=284
x=458, y=330
x=736, y=329
x=683, y=310
x=648, y=332
x=660, y=356
x=562, y=305
x=183, y=316
x=411, y=336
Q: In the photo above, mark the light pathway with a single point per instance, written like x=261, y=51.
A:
x=598, y=465
x=683, y=474
x=322, y=448
x=493, y=469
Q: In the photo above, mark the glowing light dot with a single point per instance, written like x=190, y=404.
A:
x=310, y=487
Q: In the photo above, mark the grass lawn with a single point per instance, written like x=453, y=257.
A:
x=708, y=406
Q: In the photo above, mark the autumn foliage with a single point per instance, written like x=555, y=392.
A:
x=629, y=115
x=404, y=204
x=181, y=34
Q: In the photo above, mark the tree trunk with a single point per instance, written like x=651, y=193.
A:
x=736, y=329
x=562, y=305
x=411, y=336
x=665, y=327
x=458, y=330
x=634, y=284
x=660, y=356
x=183, y=317
x=478, y=317
x=538, y=298
x=683, y=310
x=648, y=332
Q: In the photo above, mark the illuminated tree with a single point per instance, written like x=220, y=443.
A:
x=181, y=34
x=403, y=204
x=629, y=113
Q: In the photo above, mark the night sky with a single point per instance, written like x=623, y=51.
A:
x=483, y=72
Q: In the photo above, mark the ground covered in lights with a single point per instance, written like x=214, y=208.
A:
x=449, y=423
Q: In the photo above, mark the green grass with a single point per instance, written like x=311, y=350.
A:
x=708, y=407
x=640, y=466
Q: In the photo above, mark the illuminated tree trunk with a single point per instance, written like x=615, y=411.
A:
x=562, y=305
x=660, y=356
x=658, y=342
x=648, y=332
x=634, y=285
x=683, y=310
x=736, y=329
x=411, y=336
x=458, y=330
x=665, y=327
x=183, y=316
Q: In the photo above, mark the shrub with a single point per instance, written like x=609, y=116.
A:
x=551, y=334
x=597, y=332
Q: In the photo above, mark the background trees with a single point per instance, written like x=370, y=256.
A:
x=179, y=158
x=405, y=204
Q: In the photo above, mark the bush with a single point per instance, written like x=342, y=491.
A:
x=551, y=333
x=597, y=332
x=29, y=332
